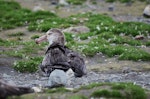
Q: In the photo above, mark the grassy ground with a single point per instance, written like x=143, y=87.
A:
x=95, y=90
x=105, y=35
x=113, y=39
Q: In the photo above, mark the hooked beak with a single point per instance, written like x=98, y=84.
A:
x=40, y=39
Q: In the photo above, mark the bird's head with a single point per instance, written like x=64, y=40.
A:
x=52, y=35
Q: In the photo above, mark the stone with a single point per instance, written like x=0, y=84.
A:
x=139, y=37
x=126, y=70
x=57, y=78
x=129, y=3
x=111, y=8
x=54, y=2
x=146, y=12
x=38, y=7
x=77, y=30
x=37, y=89
x=63, y=2
x=59, y=2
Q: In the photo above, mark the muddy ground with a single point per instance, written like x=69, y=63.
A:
x=100, y=67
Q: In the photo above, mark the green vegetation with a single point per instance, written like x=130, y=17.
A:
x=17, y=34
x=76, y=2
x=34, y=37
x=7, y=43
x=29, y=62
x=98, y=90
x=12, y=15
x=131, y=91
x=30, y=65
x=116, y=90
x=107, y=94
x=106, y=35
x=124, y=1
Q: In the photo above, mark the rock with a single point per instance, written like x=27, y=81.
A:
x=59, y=2
x=63, y=2
x=6, y=76
x=129, y=3
x=114, y=78
x=54, y=2
x=111, y=8
x=38, y=7
x=70, y=73
x=131, y=75
x=57, y=78
x=139, y=37
x=77, y=29
x=126, y=70
x=37, y=89
x=146, y=12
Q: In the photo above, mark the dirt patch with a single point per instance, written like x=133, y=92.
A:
x=113, y=65
x=26, y=37
x=120, y=9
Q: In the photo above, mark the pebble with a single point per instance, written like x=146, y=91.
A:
x=25, y=79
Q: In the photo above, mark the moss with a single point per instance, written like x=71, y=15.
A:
x=99, y=90
x=113, y=38
x=76, y=2
x=121, y=91
x=34, y=37
x=132, y=91
x=90, y=86
x=107, y=94
x=57, y=90
x=13, y=15
x=110, y=0
x=135, y=54
x=112, y=45
x=7, y=43
x=119, y=86
x=69, y=37
x=30, y=65
x=135, y=92
x=9, y=5
x=125, y=1
x=147, y=43
x=13, y=54
x=124, y=52
x=16, y=34
x=85, y=36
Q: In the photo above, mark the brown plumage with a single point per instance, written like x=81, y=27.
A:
x=77, y=64
x=8, y=90
x=52, y=35
x=55, y=58
x=58, y=56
